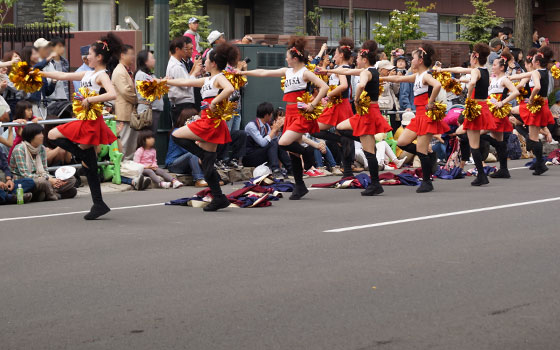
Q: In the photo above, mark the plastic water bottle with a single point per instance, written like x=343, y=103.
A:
x=19, y=194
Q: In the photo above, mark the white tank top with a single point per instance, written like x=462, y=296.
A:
x=333, y=79
x=531, y=84
x=419, y=86
x=89, y=80
x=294, y=81
x=496, y=85
x=209, y=90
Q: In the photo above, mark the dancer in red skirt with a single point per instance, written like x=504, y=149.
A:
x=295, y=125
x=503, y=91
x=478, y=90
x=80, y=137
x=209, y=131
x=426, y=89
x=339, y=112
x=541, y=119
x=366, y=126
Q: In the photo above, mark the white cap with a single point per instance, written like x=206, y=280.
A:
x=215, y=35
x=40, y=43
x=384, y=64
x=407, y=117
x=193, y=20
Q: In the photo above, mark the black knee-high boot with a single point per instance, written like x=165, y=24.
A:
x=219, y=200
x=503, y=172
x=410, y=148
x=464, y=147
x=71, y=147
x=99, y=207
x=540, y=166
x=374, y=188
x=326, y=135
x=348, y=155
x=481, y=178
x=189, y=145
x=426, y=185
x=295, y=150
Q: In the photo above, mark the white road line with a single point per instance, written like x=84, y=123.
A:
x=442, y=215
x=77, y=212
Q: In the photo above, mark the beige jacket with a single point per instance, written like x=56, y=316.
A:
x=126, y=100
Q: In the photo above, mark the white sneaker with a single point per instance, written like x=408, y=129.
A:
x=177, y=184
x=165, y=185
x=399, y=163
x=388, y=167
x=324, y=171
x=336, y=171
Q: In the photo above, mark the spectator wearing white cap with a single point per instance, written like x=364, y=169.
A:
x=84, y=51
x=192, y=33
x=214, y=38
x=388, y=100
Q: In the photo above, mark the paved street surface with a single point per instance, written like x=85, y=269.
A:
x=297, y=275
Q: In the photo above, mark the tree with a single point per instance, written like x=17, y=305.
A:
x=479, y=24
x=5, y=6
x=523, y=24
x=314, y=18
x=179, y=13
x=402, y=26
x=53, y=11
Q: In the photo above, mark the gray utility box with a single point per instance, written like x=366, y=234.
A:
x=260, y=90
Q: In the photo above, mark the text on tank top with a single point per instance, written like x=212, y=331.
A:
x=481, y=87
x=89, y=81
x=335, y=81
x=420, y=87
x=543, y=92
x=294, y=81
x=372, y=86
x=209, y=90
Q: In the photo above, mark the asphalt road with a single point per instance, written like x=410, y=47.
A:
x=162, y=277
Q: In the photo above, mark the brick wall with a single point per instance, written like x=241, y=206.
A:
x=450, y=53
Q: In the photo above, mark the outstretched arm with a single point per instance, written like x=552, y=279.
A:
x=261, y=73
x=520, y=76
x=64, y=76
x=185, y=82
x=341, y=71
x=454, y=70
x=399, y=78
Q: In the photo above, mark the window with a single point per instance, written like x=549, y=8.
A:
x=330, y=22
x=448, y=28
x=377, y=17
x=95, y=14
x=334, y=24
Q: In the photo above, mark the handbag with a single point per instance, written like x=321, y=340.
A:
x=139, y=121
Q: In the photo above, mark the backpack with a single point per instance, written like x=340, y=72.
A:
x=513, y=147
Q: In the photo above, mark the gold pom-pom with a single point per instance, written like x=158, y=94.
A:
x=381, y=89
x=448, y=83
x=363, y=104
x=437, y=112
x=313, y=69
x=282, y=82
x=151, y=90
x=334, y=100
x=25, y=77
x=236, y=80
x=307, y=98
x=472, y=109
x=224, y=112
x=522, y=93
x=536, y=104
x=555, y=70
x=500, y=113
x=94, y=110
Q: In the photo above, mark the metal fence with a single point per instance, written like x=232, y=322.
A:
x=16, y=37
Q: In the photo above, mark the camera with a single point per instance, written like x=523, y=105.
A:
x=247, y=60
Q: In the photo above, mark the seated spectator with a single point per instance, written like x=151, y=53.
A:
x=23, y=114
x=384, y=154
x=262, y=141
x=8, y=185
x=146, y=155
x=29, y=160
x=230, y=155
x=309, y=161
x=440, y=147
x=181, y=161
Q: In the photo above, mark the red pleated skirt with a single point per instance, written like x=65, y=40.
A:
x=542, y=118
x=337, y=113
x=423, y=125
x=296, y=122
x=502, y=124
x=208, y=130
x=88, y=132
x=369, y=124
x=485, y=121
